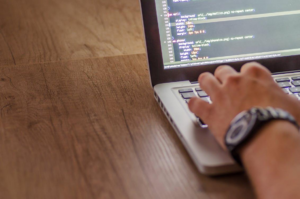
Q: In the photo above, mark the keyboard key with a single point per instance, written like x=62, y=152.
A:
x=188, y=95
x=296, y=78
x=296, y=94
x=282, y=79
x=198, y=89
x=295, y=90
x=186, y=90
x=201, y=122
x=206, y=99
x=296, y=83
x=187, y=101
x=202, y=94
x=285, y=84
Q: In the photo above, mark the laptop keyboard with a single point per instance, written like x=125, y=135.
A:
x=290, y=85
x=187, y=94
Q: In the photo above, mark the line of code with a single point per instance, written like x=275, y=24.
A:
x=204, y=29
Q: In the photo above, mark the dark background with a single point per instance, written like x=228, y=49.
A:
x=271, y=34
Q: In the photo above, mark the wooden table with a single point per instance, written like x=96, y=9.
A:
x=78, y=117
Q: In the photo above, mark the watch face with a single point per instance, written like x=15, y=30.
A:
x=240, y=128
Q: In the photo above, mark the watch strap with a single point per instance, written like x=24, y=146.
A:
x=245, y=125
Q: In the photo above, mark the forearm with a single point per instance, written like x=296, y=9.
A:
x=272, y=160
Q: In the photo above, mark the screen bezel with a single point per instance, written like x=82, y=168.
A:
x=155, y=60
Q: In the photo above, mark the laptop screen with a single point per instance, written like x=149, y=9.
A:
x=203, y=32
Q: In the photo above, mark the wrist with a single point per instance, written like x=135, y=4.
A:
x=248, y=123
x=271, y=160
x=269, y=135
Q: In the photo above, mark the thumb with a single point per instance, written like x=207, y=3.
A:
x=200, y=108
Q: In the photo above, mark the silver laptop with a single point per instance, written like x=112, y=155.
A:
x=185, y=38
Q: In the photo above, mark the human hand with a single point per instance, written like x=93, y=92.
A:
x=232, y=92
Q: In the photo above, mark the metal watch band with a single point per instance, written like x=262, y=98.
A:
x=246, y=124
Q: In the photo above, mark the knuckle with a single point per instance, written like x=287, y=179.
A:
x=203, y=77
x=233, y=79
x=255, y=69
x=220, y=69
x=252, y=64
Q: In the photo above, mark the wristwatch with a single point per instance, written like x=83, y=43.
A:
x=246, y=124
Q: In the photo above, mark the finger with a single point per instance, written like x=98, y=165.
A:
x=294, y=97
x=200, y=108
x=209, y=84
x=255, y=69
x=223, y=72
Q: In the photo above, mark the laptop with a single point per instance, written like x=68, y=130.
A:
x=185, y=38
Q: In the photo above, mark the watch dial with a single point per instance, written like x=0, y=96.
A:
x=240, y=128
x=237, y=132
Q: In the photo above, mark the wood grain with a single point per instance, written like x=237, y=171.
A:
x=39, y=31
x=6, y=56
x=92, y=129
